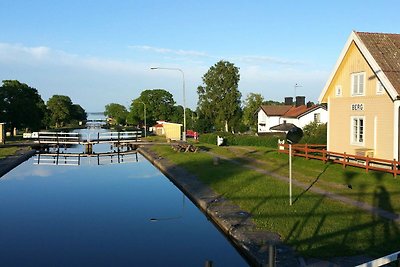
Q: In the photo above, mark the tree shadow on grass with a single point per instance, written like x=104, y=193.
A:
x=312, y=184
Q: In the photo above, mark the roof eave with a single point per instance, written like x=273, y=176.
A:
x=371, y=61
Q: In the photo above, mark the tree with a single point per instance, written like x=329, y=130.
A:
x=117, y=112
x=273, y=103
x=219, y=97
x=60, y=108
x=251, y=105
x=78, y=113
x=21, y=106
x=159, y=106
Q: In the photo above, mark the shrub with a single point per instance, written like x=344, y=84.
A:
x=314, y=133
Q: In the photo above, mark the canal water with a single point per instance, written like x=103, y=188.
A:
x=107, y=214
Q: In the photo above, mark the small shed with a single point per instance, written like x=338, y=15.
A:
x=172, y=131
x=2, y=132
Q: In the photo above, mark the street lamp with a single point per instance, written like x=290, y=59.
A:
x=145, y=127
x=184, y=97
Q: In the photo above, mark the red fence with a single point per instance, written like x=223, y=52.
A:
x=319, y=152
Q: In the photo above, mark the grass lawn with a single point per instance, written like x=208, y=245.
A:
x=7, y=151
x=315, y=226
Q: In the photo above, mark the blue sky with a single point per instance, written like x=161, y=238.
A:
x=99, y=52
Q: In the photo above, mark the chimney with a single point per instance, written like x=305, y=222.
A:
x=300, y=101
x=289, y=101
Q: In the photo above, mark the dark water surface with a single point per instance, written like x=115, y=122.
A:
x=92, y=215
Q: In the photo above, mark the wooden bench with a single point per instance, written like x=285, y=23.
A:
x=184, y=147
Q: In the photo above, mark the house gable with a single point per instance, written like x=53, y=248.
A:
x=356, y=46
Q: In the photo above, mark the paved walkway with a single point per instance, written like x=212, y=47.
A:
x=362, y=205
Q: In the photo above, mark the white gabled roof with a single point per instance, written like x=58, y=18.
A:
x=371, y=61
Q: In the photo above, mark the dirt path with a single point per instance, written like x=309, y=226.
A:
x=362, y=205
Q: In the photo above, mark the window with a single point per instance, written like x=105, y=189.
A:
x=357, y=83
x=379, y=88
x=357, y=130
x=317, y=117
x=338, y=90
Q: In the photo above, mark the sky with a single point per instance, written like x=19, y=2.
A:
x=100, y=52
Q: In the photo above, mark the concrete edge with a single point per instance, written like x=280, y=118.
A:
x=10, y=163
x=236, y=224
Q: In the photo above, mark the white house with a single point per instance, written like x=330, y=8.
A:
x=272, y=118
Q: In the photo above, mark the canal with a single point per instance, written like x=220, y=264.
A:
x=107, y=214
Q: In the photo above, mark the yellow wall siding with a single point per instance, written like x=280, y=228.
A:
x=173, y=131
x=374, y=106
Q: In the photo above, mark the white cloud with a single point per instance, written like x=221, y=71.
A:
x=179, y=52
x=94, y=82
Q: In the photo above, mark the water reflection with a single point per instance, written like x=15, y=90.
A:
x=176, y=217
x=76, y=159
x=99, y=215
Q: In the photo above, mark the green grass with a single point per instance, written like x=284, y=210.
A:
x=315, y=226
x=7, y=151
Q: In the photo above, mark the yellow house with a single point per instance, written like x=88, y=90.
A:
x=172, y=131
x=363, y=97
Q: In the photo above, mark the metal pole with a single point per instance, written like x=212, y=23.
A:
x=184, y=106
x=290, y=174
x=184, y=96
x=145, y=127
x=271, y=255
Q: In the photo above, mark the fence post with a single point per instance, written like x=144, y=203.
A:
x=306, y=150
x=394, y=168
x=367, y=164
x=344, y=160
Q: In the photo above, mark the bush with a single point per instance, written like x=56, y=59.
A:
x=270, y=140
x=315, y=133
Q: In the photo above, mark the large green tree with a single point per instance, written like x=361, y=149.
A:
x=159, y=106
x=78, y=113
x=219, y=97
x=117, y=112
x=61, y=110
x=21, y=106
x=251, y=105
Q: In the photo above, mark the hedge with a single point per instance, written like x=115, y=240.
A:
x=243, y=140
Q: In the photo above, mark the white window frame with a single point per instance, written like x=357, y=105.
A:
x=356, y=88
x=357, y=130
x=338, y=90
x=317, y=117
x=380, y=90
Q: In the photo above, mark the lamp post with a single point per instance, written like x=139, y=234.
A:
x=184, y=97
x=145, y=127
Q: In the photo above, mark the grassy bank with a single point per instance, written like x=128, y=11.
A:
x=315, y=225
x=7, y=151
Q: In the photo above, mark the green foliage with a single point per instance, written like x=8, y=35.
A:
x=219, y=97
x=159, y=106
x=117, y=112
x=314, y=133
x=243, y=140
x=21, y=106
x=60, y=108
x=272, y=103
x=78, y=113
x=251, y=105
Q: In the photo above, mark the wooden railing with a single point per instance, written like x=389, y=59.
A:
x=319, y=152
